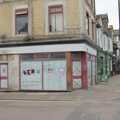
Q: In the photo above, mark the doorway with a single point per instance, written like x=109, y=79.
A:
x=4, y=76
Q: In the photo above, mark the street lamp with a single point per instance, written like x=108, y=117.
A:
x=119, y=17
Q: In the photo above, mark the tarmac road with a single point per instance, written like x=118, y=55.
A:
x=101, y=102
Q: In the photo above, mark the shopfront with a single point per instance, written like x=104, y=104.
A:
x=43, y=71
x=59, y=67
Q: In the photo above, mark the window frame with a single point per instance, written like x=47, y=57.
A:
x=88, y=23
x=27, y=13
x=50, y=12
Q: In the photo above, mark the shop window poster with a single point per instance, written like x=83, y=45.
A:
x=3, y=75
x=31, y=75
x=54, y=75
x=77, y=74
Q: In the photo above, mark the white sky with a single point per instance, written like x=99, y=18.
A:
x=111, y=8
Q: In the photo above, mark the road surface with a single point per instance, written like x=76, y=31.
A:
x=101, y=102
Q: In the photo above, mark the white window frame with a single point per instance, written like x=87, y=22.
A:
x=54, y=3
x=55, y=13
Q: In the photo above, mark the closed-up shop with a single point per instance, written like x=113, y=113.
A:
x=32, y=68
x=31, y=75
x=54, y=74
x=43, y=71
x=47, y=43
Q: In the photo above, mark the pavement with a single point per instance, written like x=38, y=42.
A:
x=101, y=102
x=112, y=87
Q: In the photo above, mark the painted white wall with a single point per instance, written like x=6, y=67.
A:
x=111, y=44
x=104, y=41
x=100, y=38
x=49, y=48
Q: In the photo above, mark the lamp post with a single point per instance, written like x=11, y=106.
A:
x=119, y=17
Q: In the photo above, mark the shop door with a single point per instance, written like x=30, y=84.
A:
x=3, y=76
x=31, y=75
x=77, y=82
x=54, y=75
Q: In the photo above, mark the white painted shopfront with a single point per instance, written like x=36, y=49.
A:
x=49, y=48
x=54, y=75
x=44, y=67
x=43, y=75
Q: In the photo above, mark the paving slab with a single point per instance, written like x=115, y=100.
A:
x=102, y=91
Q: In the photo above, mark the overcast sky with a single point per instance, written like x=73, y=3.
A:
x=110, y=7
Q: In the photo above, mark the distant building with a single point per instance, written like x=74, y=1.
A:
x=105, y=50
x=116, y=52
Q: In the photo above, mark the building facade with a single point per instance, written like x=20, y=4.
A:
x=47, y=45
x=116, y=52
x=105, y=49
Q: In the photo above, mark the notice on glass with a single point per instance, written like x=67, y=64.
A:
x=77, y=74
x=31, y=75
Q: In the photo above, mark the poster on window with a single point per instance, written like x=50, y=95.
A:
x=54, y=75
x=77, y=74
x=3, y=75
x=31, y=75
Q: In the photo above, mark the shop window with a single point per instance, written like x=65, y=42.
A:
x=76, y=74
x=43, y=56
x=21, y=21
x=55, y=18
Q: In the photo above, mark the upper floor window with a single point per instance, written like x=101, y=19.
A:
x=117, y=38
x=93, y=30
x=55, y=18
x=87, y=23
x=21, y=21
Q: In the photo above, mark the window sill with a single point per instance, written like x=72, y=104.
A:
x=20, y=35
x=54, y=34
x=57, y=33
